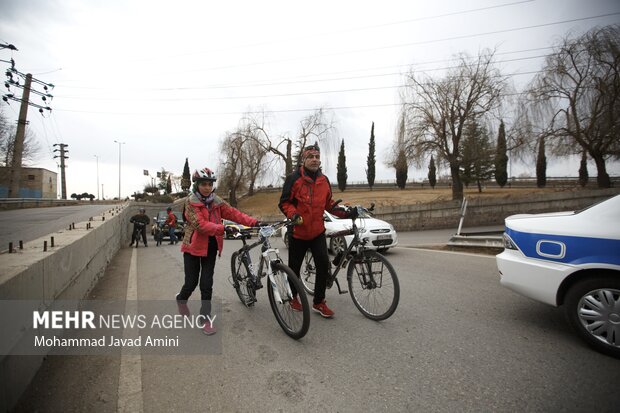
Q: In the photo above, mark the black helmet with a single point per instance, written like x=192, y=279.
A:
x=142, y=210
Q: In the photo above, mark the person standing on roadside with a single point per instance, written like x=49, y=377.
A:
x=171, y=221
x=305, y=195
x=203, y=240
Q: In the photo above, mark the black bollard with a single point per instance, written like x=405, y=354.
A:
x=52, y=242
x=44, y=246
x=10, y=247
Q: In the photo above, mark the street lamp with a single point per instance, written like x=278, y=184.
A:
x=119, y=168
x=97, y=157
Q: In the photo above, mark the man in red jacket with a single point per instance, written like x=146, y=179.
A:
x=204, y=240
x=305, y=195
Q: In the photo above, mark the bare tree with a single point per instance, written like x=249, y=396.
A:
x=31, y=151
x=253, y=155
x=577, y=97
x=233, y=167
x=316, y=127
x=437, y=109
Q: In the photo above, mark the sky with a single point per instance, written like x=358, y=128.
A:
x=167, y=80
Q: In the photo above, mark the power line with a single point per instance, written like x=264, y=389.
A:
x=354, y=29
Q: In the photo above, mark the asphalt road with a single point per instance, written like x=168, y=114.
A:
x=457, y=342
x=31, y=223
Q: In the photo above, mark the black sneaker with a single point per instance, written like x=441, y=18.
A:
x=258, y=284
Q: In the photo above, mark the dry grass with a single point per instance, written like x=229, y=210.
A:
x=266, y=203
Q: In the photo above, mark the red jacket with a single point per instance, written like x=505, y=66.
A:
x=171, y=221
x=308, y=198
x=202, y=222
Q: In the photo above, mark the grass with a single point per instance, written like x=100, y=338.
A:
x=265, y=204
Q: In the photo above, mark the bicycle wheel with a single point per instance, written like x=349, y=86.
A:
x=308, y=273
x=242, y=280
x=373, y=285
x=294, y=323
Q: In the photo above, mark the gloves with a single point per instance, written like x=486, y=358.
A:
x=297, y=219
x=352, y=213
x=230, y=230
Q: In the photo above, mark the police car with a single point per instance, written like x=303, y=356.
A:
x=570, y=259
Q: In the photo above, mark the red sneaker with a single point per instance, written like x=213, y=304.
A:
x=209, y=329
x=296, y=304
x=182, y=307
x=323, y=309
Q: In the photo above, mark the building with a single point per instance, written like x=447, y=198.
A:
x=34, y=183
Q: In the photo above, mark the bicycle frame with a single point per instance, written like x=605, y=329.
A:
x=269, y=255
x=355, y=242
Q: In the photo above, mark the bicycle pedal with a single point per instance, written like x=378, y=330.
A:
x=343, y=292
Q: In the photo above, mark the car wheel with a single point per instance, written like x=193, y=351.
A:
x=593, y=310
x=337, y=244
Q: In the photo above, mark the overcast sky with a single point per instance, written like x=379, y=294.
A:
x=170, y=78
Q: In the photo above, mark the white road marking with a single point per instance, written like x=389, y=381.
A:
x=130, y=374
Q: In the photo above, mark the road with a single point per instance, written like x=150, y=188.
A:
x=457, y=342
x=31, y=223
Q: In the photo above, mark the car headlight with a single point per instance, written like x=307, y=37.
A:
x=509, y=243
x=391, y=227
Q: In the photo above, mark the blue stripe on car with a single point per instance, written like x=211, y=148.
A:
x=577, y=250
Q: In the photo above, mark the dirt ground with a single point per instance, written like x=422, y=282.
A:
x=266, y=203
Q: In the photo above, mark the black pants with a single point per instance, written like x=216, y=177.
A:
x=200, y=268
x=142, y=230
x=297, y=250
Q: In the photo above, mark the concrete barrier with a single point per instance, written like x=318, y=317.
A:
x=66, y=271
x=487, y=211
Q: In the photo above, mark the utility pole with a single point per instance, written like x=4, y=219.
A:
x=62, y=156
x=119, y=167
x=18, y=148
x=97, y=157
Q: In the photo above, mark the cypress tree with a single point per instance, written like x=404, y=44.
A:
x=541, y=165
x=401, y=169
x=501, y=159
x=185, y=178
x=370, y=161
x=342, y=168
x=583, y=169
x=432, y=173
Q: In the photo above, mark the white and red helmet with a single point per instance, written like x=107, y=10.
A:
x=204, y=174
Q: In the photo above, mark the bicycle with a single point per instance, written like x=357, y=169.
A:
x=372, y=280
x=137, y=233
x=159, y=234
x=246, y=280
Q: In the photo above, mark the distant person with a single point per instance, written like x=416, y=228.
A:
x=140, y=221
x=203, y=241
x=171, y=221
x=305, y=195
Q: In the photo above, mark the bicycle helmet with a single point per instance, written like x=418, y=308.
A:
x=168, y=209
x=142, y=210
x=204, y=174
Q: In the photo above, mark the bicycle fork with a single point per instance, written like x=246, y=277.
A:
x=275, y=284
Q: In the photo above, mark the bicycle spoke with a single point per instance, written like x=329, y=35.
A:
x=373, y=286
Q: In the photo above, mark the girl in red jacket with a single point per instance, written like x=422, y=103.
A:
x=203, y=240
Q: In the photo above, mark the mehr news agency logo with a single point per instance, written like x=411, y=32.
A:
x=87, y=320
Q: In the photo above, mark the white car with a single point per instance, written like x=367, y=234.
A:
x=570, y=259
x=381, y=235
